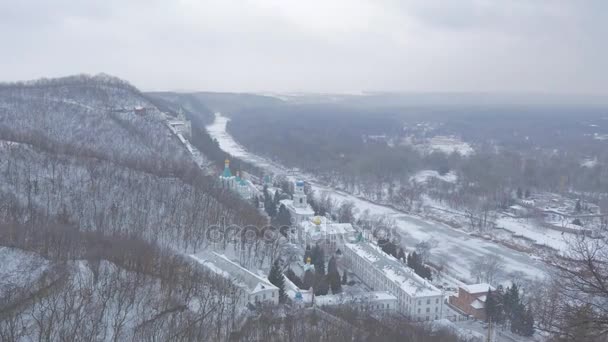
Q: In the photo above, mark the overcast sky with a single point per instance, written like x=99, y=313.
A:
x=313, y=45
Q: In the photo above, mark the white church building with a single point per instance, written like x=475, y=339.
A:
x=298, y=207
x=241, y=186
x=328, y=235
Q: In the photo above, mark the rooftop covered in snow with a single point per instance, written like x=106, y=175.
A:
x=220, y=264
x=393, y=269
x=477, y=288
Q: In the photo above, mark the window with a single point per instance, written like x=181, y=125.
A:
x=257, y=298
x=418, y=310
x=419, y=302
x=436, y=317
x=428, y=301
x=264, y=296
x=272, y=294
x=428, y=318
x=437, y=301
x=436, y=309
x=428, y=310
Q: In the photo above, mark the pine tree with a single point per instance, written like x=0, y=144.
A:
x=527, y=327
x=308, y=280
x=344, y=278
x=321, y=285
x=277, y=197
x=283, y=217
x=276, y=278
x=318, y=259
x=493, y=307
x=270, y=207
x=519, y=193
x=333, y=276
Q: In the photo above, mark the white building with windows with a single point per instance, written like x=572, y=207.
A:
x=329, y=235
x=256, y=289
x=378, y=301
x=417, y=299
x=298, y=207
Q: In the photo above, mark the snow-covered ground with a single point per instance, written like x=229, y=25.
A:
x=460, y=248
x=424, y=175
x=589, y=162
x=19, y=268
x=544, y=236
x=447, y=145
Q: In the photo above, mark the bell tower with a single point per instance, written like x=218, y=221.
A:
x=299, y=197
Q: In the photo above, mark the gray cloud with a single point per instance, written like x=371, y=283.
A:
x=337, y=46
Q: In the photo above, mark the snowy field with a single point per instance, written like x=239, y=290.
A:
x=423, y=176
x=19, y=268
x=459, y=248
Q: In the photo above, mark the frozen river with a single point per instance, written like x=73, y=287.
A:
x=457, y=248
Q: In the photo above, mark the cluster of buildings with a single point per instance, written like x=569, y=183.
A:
x=394, y=286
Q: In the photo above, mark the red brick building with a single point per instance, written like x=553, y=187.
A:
x=471, y=299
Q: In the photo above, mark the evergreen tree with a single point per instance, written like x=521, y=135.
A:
x=401, y=255
x=494, y=307
x=519, y=193
x=318, y=259
x=308, y=280
x=527, y=326
x=344, y=278
x=511, y=301
x=270, y=206
x=256, y=201
x=321, y=287
x=578, y=206
x=276, y=278
x=277, y=197
x=527, y=194
x=291, y=275
x=333, y=276
x=283, y=217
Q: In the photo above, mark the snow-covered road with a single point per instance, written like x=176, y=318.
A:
x=455, y=247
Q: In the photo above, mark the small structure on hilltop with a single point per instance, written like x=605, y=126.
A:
x=471, y=299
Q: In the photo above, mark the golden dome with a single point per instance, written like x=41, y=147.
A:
x=316, y=220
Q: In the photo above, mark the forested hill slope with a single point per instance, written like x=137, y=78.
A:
x=99, y=205
x=92, y=116
x=80, y=150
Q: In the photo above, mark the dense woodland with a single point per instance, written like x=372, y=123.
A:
x=372, y=150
